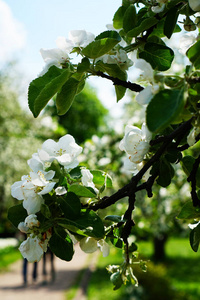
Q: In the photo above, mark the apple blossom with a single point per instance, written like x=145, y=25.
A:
x=120, y=58
x=191, y=138
x=147, y=72
x=34, y=247
x=65, y=151
x=90, y=245
x=136, y=142
x=53, y=57
x=87, y=178
x=133, y=168
x=145, y=96
x=77, y=38
x=31, y=188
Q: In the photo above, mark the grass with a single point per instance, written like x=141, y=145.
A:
x=177, y=278
x=8, y=255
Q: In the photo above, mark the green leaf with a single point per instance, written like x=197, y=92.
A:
x=159, y=56
x=117, y=242
x=118, y=17
x=102, y=44
x=17, y=214
x=84, y=65
x=61, y=245
x=76, y=173
x=45, y=211
x=88, y=224
x=100, y=178
x=193, y=54
x=114, y=218
x=43, y=88
x=130, y=18
x=164, y=108
x=166, y=173
x=81, y=191
x=170, y=21
x=112, y=34
x=188, y=212
x=66, y=96
x=143, y=26
x=70, y=205
x=195, y=238
x=114, y=71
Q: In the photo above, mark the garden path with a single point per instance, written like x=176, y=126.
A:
x=11, y=282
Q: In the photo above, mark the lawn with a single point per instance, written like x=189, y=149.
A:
x=178, y=278
x=8, y=255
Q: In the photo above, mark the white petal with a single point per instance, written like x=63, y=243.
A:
x=16, y=190
x=33, y=204
x=105, y=248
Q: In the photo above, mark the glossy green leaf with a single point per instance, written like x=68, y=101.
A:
x=66, y=96
x=118, y=17
x=43, y=88
x=81, y=191
x=75, y=173
x=102, y=44
x=166, y=173
x=130, y=18
x=114, y=218
x=100, y=178
x=83, y=65
x=159, y=56
x=61, y=244
x=163, y=109
x=144, y=25
x=88, y=224
x=170, y=21
x=70, y=205
x=17, y=214
x=195, y=238
x=193, y=54
x=189, y=212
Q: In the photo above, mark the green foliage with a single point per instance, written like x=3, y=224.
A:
x=42, y=89
x=164, y=108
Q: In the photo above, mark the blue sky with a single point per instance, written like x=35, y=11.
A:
x=26, y=26
x=43, y=21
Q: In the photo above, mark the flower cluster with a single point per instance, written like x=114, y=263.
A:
x=32, y=187
x=136, y=145
x=60, y=56
x=52, y=162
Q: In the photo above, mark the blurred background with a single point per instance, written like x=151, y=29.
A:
x=173, y=268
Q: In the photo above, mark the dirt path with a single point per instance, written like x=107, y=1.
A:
x=11, y=283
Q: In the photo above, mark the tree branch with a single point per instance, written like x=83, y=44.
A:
x=192, y=179
x=125, y=191
x=116, y=81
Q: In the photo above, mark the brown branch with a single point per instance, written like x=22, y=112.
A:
x=116, y=81
x=125, y=191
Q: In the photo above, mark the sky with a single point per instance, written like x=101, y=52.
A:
x=27, y=26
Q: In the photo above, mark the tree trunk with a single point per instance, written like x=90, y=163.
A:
x=159, y=243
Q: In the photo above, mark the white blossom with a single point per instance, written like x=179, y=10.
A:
x=87, y=179
x=31, y=221
x=133, y=168
x=186, y=41
x=191, y=138
x=65, y=151
x=120, y=58
x=53, y=57
x=158, y=8
x=90, y=245
x=192, y=226
x=147, y=72
x=136, y=142
x=31, y=188
x=77, y=38
x=32, y=248
x=145, y=96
